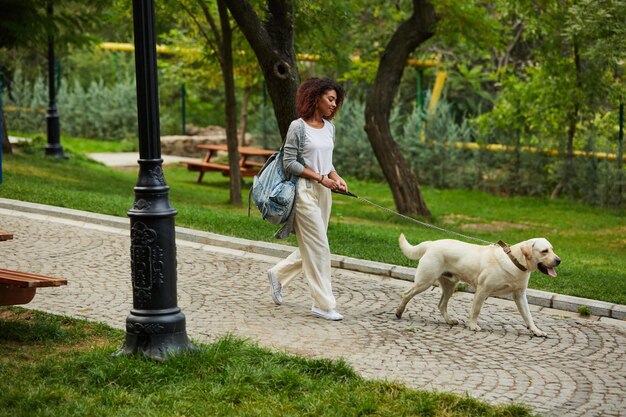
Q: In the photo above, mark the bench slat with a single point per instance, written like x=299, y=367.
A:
x=252, y=164
x=223, y=168
x=206, y=166
x=28, y=280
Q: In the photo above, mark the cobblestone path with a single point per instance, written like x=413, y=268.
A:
x=579, y=370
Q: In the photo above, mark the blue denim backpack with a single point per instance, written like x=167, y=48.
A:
x=273, y=190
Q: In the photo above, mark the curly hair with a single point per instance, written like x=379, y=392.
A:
x=309, y=93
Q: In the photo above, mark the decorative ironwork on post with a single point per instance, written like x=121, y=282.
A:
x=155, y=326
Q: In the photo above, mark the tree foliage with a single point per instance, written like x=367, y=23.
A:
x=271, y=37
x=25, y=23
x=541, y=73
x=561, y=76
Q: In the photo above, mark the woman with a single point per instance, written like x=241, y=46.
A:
x=308, y=154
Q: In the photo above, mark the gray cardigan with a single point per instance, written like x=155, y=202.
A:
x=293, y=162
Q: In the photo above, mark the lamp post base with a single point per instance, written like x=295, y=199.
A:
x=55, y=152
x=156, y=335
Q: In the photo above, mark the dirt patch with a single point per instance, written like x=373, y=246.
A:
x=457, y=218
x=10, y=314
x=492, y=227
x=475, y=224
x=620, y=231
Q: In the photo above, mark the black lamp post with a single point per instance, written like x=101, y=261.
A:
x=53, y=149
x=155, y=326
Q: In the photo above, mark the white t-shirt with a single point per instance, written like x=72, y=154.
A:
x=318, y=148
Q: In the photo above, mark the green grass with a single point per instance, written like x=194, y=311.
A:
x=82, y=145
x=58, y=366
x=590, y=241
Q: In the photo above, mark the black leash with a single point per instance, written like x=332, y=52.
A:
x=349, y=194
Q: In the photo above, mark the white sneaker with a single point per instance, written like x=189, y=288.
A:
x=275, y=288
x=329, y=314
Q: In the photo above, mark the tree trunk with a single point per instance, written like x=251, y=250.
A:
x=6, y=145
x=568, y=166
x=272, y=43
x=243, y=115
x=222, y=46
x=402, y=181
x=226, y=63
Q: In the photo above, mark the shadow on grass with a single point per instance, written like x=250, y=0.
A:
x=21, y=326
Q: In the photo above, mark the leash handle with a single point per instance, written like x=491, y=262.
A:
x=347, y=193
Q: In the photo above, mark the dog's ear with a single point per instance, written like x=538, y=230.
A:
x=527, y=251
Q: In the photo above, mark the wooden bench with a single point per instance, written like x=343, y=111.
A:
x=202, y=167
x=20, y=287
x=5, y=236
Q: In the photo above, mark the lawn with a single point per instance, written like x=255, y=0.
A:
x=591, y=241
x=59, y=366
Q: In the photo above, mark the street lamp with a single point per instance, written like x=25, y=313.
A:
x=155, y=326
x=53, y=149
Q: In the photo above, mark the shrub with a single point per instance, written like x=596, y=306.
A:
x=98, y=111
x=440, y=159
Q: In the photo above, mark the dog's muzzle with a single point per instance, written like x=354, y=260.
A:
x=549, y=270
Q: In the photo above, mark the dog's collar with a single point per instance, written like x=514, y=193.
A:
x=507, y=250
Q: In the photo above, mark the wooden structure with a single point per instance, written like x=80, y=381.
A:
x=251, y=160
x=20, y=287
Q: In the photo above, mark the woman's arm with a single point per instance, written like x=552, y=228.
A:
x=290, y=158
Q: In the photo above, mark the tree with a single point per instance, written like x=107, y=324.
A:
x=560, y=83
x=25, y=24
x=6, y=144
x=18, y=22
x=272, y=41
x=593, y=32
x=220, y=44
x=410, y=34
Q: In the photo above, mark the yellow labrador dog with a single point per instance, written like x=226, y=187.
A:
x=489, y=269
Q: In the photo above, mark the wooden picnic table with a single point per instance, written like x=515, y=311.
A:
x=250, y=161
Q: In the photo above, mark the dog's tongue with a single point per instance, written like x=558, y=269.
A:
x=551, y=272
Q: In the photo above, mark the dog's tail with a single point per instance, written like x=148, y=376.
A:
x=410, y=251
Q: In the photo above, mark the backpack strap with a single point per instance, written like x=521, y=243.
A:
x=269, y=160
x=249, y=198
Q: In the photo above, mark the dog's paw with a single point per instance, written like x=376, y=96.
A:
x=474, y=327
x=452, y=322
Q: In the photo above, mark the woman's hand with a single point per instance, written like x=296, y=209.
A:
x=339, y=183
x=330, y=183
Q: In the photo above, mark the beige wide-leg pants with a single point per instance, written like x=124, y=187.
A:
x=313, y=205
